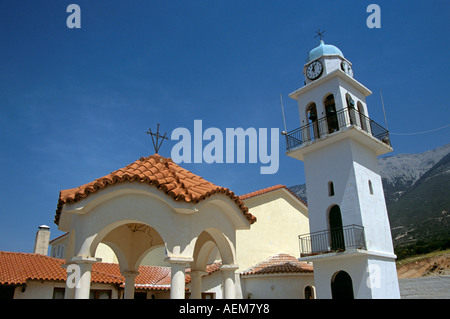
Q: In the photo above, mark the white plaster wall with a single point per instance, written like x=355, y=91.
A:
x=356, y=267
x=213, y=283
x=39, y=289
x=383, y=278
x=372, y=206
x=36, y=289
x=331, y=63
x=333, y=163
x=276, y=286
x=372, y=277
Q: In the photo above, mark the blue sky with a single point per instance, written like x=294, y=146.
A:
x=75, y=103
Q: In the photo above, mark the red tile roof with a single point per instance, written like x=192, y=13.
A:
x=17, y=268
x=179, y=183
x=281, y=263
x=268, y=190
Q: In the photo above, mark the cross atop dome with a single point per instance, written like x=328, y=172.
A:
x=320, y=34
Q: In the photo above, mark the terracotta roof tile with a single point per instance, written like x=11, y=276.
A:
x=268, y=190
x=161, y=172
x=281, y=263
x=17, y=268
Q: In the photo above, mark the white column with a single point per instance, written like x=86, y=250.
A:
x=79, y=277
x=130, y=277
x=178, y=282
x=196, y=283
x=69, y=292
x=229, y=277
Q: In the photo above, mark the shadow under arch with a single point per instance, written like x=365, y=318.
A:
x=130, y=240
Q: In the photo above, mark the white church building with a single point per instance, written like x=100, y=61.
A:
x=207, y=242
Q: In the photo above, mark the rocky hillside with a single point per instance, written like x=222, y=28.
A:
x=401, y=172
x=417, y=192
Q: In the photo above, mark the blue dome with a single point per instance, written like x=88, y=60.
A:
x=323, y=49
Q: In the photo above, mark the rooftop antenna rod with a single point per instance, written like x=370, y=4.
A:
x=282, y=110
x=157, y=144
x=384, y=112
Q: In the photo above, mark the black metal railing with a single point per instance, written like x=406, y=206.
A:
x=332, y=123
x=337, y=239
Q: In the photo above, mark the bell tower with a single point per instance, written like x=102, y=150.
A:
x=350, y=243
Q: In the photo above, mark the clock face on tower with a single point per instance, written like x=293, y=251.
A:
x=345, y=66
x=314, y=70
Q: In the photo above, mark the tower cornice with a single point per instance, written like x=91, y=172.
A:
x=337, y=73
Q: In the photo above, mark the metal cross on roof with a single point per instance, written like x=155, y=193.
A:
x=319, y=34
x=156, y=142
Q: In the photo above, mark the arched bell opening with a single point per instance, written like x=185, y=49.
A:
x=363, y=117
x=330, y=111
x=313, y=121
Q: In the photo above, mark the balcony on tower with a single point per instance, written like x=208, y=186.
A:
x=334, y=240
x=344, y=120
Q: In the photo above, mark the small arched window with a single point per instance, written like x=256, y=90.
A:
x=370, y=187
x=330, y=188
x=309, y=292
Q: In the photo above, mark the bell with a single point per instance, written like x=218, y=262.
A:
x=330, y=109
x=351, y=103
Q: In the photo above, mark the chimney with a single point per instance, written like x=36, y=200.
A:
x=42, y=240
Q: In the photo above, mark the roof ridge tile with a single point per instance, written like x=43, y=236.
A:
x=161, y=172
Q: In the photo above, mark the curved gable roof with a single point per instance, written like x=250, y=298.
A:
x=177, y=182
